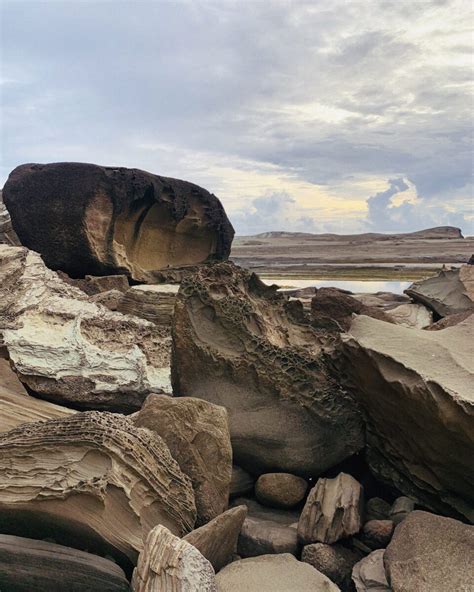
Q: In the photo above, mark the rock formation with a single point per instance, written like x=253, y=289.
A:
x=416, y=388
x=369, y=574
x=155, y=303
x=334, y=561
x=7, y=234
x=89, y=219
x=411, y=315
x=280, y=490
x=236, y=344
x=170, y=564
x=72, y=351
x=92, y=480
x=197, y=435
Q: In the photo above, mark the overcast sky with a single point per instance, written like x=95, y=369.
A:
x=340, y=116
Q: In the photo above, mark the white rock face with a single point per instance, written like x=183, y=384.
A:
x=411, y=315
x=71, y=350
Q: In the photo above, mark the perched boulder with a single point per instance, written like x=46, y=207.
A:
x=197, y=435
x=217, y=540
x=369, y=574
x=280, y=490
x=89, y=219
x=334, y=561
x=170, y=564
x=272, y=573
x=155, y=303
x=430, y=553
x=416, y=387
x=241, y=482
x=235, y=344
x=92, y=480
x=71, y=351
x=376, y=534
x=7, y=234
x=450, y=292
x=28, y=565
x=333, y=510
x=411, y=315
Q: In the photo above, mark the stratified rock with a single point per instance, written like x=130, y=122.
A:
x=450, y=292
x=411, y=315
x=430, y=553
x=376, y=534
x=98, y=284
x=333, y=510
x=334, y=561
x=92, y=480
x=272, y=573
x=170, y=564
x=155, y=303
x=197, y=435
x=377, y=509
x=110, y=299
x=89, y=219
x=241, y=482
x=400, y=509
x=369, y=574
x=416, y=387
x=7, y=234
x=71, y=351
x=450, y=321
x=28, y=565
x=235, y=344
x=217, y=540
x=280, y=490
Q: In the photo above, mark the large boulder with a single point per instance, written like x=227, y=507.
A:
x=450, y=292
x=89, y=219
x=280, y=490
x=236, y=344
x=93, y=481
x=334, y=561
x=416, y=388
x=7, y=234
x=430, y=553
x=72, y=351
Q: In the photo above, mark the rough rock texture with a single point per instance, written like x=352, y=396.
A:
x=280, y=490
x=170, y=564
x=369, y=574
x=416, y=387
x=89, y=219
x=377, y=509
x=241, y=482
x=267, y=531
x=72, y=351
x=27, y=565
x=197, y=435
x=92, y=284
x=217, y=540
x=155, y=303
x=333, y=510
x=272, y=573
x=411, y=315
x=110, y=299
x=236, y=344
x=376, y=534
x=450, y=292
x=334, y=561
x=430, y=553
x=92, y=480
x=7, y=234
x=450, y=321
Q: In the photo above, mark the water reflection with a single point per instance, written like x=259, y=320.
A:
x=368, y=286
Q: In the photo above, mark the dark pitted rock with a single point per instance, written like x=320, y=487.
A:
x=377, y=534
x=334, y=561
x=155, y=302
x=217, y=540
x=400, y=509
x=377, y=509
x=272, y=573
x=235, y=344
x=92, y=481
x=89, y=219
x=280, y=490
x=28, y=565
x=430, y=553
x=369, y=574
x=197, y=434
x=416, y=388
x=333, y=510
x=241, y=482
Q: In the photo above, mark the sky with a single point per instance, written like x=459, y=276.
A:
x=341, y=116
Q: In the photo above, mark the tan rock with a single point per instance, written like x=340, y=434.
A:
x=197, y=435
x=334, y=561
x=333, y=510
x=280, y=490
x=369, y=574
x=170, y=564
x=7, y=234
x=411, y=315
x=376, y=534
x=241, y=482
x=155, y=302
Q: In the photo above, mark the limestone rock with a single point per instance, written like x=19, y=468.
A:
x=28, y=565
x=411, y=315
x=416, y=388
x=376, y=534
x=91, y=480
x=197, y=435
x=430, y=553
x=235, y=344
x=333, y=510
x=89, y=219
x=272, y=573
x=334, y=561
x=7, y=234
x=155, y=303
x=280, y=490
x=69, y=350
x=241, y=482
x=369, y=574
x=450, y=292
x=217, y=540
x=170, y=564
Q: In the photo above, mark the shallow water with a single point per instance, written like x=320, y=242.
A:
x=367, y=286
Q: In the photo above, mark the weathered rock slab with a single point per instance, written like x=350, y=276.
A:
x=411, y=315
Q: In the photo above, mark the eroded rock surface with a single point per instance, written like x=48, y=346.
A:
x=280, y=490
x=411, y=315
x=92, y=480
x=235, y=344
x=89, y=219
x=416, y=387
x=155, y=303
x=7, y=234
x=369, y=574
x=334, y=561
